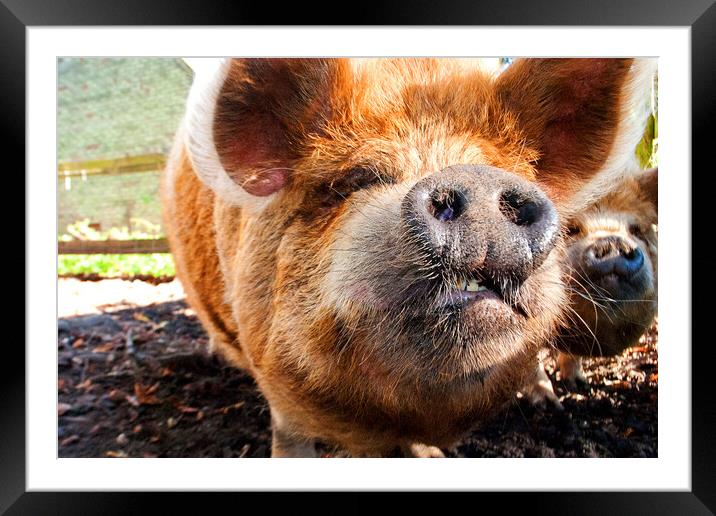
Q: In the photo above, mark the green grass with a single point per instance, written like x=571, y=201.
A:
x=116, y=265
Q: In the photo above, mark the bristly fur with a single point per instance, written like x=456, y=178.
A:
x=282, y=209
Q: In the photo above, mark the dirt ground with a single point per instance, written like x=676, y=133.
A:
x=134, y=380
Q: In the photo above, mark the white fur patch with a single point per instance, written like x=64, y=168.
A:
x=198, y=133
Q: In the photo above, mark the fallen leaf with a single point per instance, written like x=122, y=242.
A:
x=139, y=316
x=186, y=409
x=69, y=440
x=145, y=395
x=78, y=343
x=104, y=348
x=132, y=400
x=116, y=454
x=117, y=395
x=96, y=428
x=62, y=408
x=122, y=440
x=225, y=410
x=84, y=385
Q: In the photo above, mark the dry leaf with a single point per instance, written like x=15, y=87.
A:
x=144, y=395
x=104, y=348
x=69, y=440
x=139, y=316
x=186, y=409
x=84, y=385
x=225, y=410
x=116, y=454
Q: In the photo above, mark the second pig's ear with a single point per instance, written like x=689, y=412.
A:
x=649, y=185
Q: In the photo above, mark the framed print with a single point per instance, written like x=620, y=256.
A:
x=670, y=470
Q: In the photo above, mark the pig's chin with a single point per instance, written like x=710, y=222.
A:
x=453, y=336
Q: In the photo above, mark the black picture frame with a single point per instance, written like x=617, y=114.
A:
x=699, y=15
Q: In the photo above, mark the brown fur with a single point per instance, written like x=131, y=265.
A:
x=289, y=270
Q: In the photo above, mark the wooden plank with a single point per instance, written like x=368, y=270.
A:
x=144, y=163
x=154, y=245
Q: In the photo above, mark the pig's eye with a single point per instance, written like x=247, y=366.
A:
x=348, y=182
x=573, y=230
x=635, y=229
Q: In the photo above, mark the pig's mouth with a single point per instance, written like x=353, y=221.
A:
x=478, y=287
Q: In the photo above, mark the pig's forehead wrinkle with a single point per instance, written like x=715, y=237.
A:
x=413, y=155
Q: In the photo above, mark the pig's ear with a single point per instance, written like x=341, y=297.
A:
x=649, y=184
x=584, y=117
x=246, y=120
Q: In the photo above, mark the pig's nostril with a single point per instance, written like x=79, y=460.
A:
x=630, y=254
x=447, y=204
x=518, y=209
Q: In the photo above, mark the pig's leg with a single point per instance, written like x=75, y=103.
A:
x=221, y=346
x=570, y=370
x=420, y=450
x=539, y=390
x=285, y=442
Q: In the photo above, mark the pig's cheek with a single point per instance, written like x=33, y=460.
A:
x=362, y=293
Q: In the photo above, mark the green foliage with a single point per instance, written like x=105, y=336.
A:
x=116, y=265
x=647, y=150
x=648, y=147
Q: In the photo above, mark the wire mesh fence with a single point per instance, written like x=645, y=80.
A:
x=116, y=122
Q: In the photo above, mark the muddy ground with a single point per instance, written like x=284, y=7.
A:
x=134, y=380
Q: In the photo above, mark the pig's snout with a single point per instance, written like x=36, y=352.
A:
x=483, y=219
x=613, y=255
